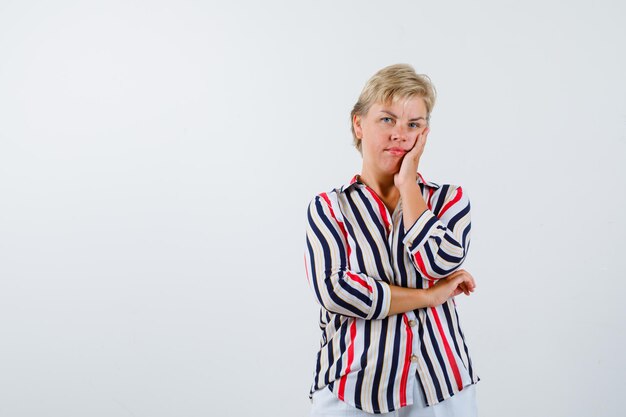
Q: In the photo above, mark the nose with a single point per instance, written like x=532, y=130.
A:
x=399, y=132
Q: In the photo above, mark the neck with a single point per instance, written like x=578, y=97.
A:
x=383, y=185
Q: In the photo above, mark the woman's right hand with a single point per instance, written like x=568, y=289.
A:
x=458, y=282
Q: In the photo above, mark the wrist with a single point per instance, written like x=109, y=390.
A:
x=408, y=188
x=429, y=297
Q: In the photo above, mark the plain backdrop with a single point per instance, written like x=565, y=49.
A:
x=157, y=159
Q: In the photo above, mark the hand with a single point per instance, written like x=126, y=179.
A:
x=458, y=282
x=410, y=161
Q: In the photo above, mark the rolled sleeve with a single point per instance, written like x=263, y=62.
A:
x=438, y=244
x=337, y=288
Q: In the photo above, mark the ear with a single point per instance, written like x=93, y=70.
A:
x=356, y=123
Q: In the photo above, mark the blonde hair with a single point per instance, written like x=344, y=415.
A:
x=393, y=82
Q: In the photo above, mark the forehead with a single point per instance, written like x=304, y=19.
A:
x=403, y=106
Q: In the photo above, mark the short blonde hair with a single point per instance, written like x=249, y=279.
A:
x=393, y=82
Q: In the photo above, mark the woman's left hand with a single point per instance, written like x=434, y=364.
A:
x=410, y=162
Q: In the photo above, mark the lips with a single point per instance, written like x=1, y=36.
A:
x=396, y=151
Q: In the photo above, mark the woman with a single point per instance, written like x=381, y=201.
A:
x=382, y=257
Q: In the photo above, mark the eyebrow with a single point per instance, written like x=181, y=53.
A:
x=393, y=115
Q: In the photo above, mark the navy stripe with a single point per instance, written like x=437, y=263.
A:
x=395, y=359
x=328, y=267
x=403, y=278
x=342, y=347
x=441, y=197
x=446, y=310
x=450, y=240
x=469, y=364
x=380, y=301
x=360, y=266
x=428, y=361
x=354, y=292
x=439, y=356
x=435, y=267
x=331, y=359
x=380, y=363
x=374, y=211
x=358, y=392
x=459, y=216
x=371, y=240
x=318, y=367
x=338, y=239
x=313, y=281
x=423, y=233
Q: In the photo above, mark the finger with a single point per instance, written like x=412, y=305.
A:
x=466, y=282
x=417, y=145
x=461, y=287
x=470, y=285
x=424, y=135
x=472, y=282
x=469, y=278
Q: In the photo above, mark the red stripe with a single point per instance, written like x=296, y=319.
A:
x=420, y=263
x=446, y=345
x=453, y=365
x=407, y=360
x=342, y=382
x=360, y=281
x=306, y=269
x=381, y=207
x=343, y=229
x=457, y=197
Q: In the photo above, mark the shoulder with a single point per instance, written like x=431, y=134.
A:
x=450, y=201
x=450, y=192
x=442, y=189
x=326, y=198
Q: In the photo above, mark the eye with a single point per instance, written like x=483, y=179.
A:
x=415, y=125
x=386, y=120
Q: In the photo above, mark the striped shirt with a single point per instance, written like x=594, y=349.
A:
x=354, y=250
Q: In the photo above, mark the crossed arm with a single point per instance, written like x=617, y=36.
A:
x=436, y=250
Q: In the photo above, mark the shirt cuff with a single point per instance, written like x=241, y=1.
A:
x=381, y=300
x=421, y=230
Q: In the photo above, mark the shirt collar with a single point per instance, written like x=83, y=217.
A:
x=356, y=180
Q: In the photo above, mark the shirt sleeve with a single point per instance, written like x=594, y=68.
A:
x=336, y=287
x=438, y=243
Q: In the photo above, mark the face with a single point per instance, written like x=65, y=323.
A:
x=388, y=132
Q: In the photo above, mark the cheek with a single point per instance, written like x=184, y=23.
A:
x=376, y=127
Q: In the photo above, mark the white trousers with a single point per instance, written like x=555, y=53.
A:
x=462, y=404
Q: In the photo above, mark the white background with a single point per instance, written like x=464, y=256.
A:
x=157, y=158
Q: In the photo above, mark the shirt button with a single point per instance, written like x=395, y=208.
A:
x=412, y=323
x=413, y=358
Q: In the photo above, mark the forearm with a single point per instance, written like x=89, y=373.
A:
x=437, y=241
x=407, y=299
x=413, y=204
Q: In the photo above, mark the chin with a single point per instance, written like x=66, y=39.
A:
x=392, y=169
